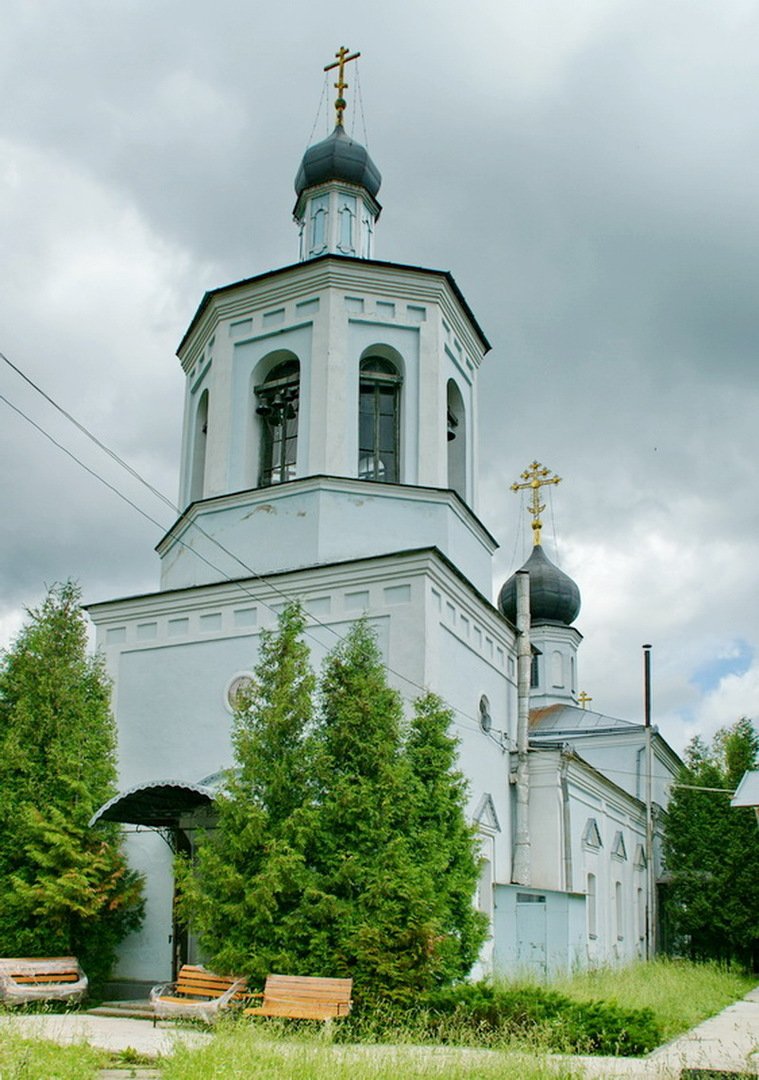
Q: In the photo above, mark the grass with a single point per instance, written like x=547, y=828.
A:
x=22, y=1059
x=247, y=1051
x=681, y=994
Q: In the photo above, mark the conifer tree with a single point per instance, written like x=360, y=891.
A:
x=712, y=851
x=393, y=859
x=444, y=843
x=249, y=871
x=65, y=888
x=341, y=848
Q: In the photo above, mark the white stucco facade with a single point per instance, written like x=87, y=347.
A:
x=329, y=455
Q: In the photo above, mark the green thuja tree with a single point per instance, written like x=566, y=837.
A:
x=712, y=851
x=445, y=844
x=369, y=905
x=66, y=888
x=393, y=859
x=249, y=873
x=341, y=847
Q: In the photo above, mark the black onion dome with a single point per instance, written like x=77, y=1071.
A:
x=338, y=158
x=554, y=597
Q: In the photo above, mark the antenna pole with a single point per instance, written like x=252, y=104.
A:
x=650, y=862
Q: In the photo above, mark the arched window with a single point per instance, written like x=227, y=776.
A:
x=378, y=421
x=534, y=668
x=278, y=409
x=591, y=906
x=456, y=430
x=557, y=668
x=199, y=441
x=619, y=911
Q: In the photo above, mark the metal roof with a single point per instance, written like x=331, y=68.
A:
x=747, y=792
x=338, y=157
x=159, y=804
x=571, y=719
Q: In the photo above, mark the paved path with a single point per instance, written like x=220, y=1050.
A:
x=107, y=1032
x=728, y=1041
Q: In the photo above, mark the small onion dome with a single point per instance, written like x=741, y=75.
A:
x=554, y=597
x=338, y=158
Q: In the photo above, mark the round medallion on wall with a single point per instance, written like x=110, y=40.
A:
x=236, y=688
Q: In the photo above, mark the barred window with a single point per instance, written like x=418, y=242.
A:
x=278, y=409
x=379, y=421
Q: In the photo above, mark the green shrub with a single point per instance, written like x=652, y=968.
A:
x=558, y=1022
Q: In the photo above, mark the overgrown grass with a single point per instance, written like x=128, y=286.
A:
x=243, y=1051
x=680, y=993
x=383, y=1046
x=505, y=1017
x=22, y=1059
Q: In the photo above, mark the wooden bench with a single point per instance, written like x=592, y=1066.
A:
x=47, y=978
x=196, y=993
x=301, y=997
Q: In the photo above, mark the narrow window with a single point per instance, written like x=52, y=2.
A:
x=641, y=915
x=319, y=210
x=456, y=433
x=557, y=668
x=200, y=439
x=619, y=910
x=378, y=421
x=535, y=669
x=278, y=409
x=347, y=214
x=591, y=902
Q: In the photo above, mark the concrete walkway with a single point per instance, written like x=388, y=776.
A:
x=727, y=1042
x=112, y=1033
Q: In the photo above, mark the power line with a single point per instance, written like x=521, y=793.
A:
x=175, y=509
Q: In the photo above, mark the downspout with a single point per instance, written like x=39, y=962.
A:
x=566, y=820
x=520, y=873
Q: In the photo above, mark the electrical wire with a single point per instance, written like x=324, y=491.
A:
x=360, y=106
x=318, y=113
x=213, y=540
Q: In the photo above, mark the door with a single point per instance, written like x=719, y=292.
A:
x=532, y=934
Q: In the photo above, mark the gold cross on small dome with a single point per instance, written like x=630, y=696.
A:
x=536, y=477
x=341, y=84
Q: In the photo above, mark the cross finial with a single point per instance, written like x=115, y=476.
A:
x=341, y=84
x=584, y=698
x=536, y=477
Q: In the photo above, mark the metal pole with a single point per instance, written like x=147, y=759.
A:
x=650, y=867
x=520, y=872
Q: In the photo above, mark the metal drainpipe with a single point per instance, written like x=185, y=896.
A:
x=566, y=820
x=520, y=873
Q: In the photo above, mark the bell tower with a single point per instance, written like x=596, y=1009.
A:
x=330, y=405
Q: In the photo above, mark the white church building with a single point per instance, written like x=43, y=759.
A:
x=330, y=455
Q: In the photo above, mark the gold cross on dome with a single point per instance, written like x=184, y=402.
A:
x=536, y=477
x=341, y=84
x=583, y=699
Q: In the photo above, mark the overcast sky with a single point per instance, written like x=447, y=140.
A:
x=589, y=173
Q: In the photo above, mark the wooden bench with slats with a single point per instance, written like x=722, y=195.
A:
x=301, y=997
x=47, y=978
x=196, y=993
